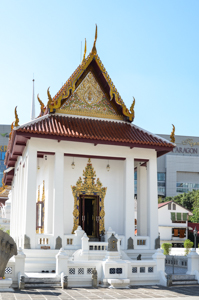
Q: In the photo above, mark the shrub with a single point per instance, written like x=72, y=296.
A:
x=188, y=245
x=166, y=247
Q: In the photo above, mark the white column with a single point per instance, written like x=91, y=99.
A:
x=58, y=197
x=152, y=201
x=141, y=201
x=31, y=196
x=129, y=214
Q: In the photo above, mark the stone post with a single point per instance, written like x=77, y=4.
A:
x=61, y=262
x=20, y=263
x=64, y=281
x=22, y=282
x=85, y=247
x=78, y=235
x=94, y=278
x=159, y=257
x=193, y=262
x=109, y=233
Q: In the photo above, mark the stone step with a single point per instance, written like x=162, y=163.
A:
x=42, y=280
x=183, y=277
x=41, y=285
x=185, y=282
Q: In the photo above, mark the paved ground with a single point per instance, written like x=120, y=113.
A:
x=136, y=292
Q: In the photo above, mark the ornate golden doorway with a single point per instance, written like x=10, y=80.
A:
x=90, y=189
x=89, y=215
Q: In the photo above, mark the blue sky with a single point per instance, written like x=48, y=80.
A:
x=149, y=48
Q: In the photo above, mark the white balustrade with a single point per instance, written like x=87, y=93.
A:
x=98, y=246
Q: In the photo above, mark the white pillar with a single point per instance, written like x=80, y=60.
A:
x=31, y=196
x=129, y=214
x=152, y=201
x=61, y=262
x=58, y=197
x=193, y=262
x=141, y=201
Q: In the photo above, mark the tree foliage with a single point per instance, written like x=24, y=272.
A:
x=166, y=247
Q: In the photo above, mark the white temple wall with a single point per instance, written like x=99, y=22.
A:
x=119, y=199
x=113, y=180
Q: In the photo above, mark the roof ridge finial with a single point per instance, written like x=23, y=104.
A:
x=132, y=108
x=172, y=136
x=16, y=118
x=94, y=50
x=85, y=48
x=41, y=103
x=50, y=100
x=32, y=117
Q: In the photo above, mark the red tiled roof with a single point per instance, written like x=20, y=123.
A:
x=95, y=130
x=163, y=204
x=193, y=225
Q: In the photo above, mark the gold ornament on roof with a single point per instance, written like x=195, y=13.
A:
x=94, y=50
x=172, y=136
x=70, y=85
x=50, y=100
x=85, y=48
x=132, y=108
x=89, y=186
x=41, y=103
x=12, y=126
x=16, y=118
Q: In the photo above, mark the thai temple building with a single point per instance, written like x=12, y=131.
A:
x=71, y=173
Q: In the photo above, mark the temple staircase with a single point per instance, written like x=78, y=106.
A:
x=179, y=279
x=41, y=280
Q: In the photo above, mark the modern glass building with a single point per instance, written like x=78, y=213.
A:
x=4, y=137
x=178, y=171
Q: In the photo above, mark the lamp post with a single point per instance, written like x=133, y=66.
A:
x=195, y=235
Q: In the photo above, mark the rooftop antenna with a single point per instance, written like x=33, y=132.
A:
x=32, y=116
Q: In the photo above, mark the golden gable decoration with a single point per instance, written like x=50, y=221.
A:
x=89, y=186
x=69, y=87
x=88, y=99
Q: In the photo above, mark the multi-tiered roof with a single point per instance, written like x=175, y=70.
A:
x=88, y=108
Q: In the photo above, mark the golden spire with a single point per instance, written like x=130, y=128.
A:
x=94, y=44
x=50, y=100
x=132, y=108
x=84, y=51
x=16, y=118
x=41, y=103
x=172, y=136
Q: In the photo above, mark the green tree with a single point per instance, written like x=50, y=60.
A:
x=195, y=217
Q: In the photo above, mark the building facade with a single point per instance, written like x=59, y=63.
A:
x=71, y=172
x=178, y=170
x=173, y=223
x=4, y=136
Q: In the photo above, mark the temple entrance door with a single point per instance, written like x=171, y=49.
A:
x=89, y=216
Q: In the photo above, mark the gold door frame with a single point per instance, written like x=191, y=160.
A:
x=89, y=187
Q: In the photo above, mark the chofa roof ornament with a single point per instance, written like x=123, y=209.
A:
x=16, y=118
x=172, y=136
x=94, y=50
